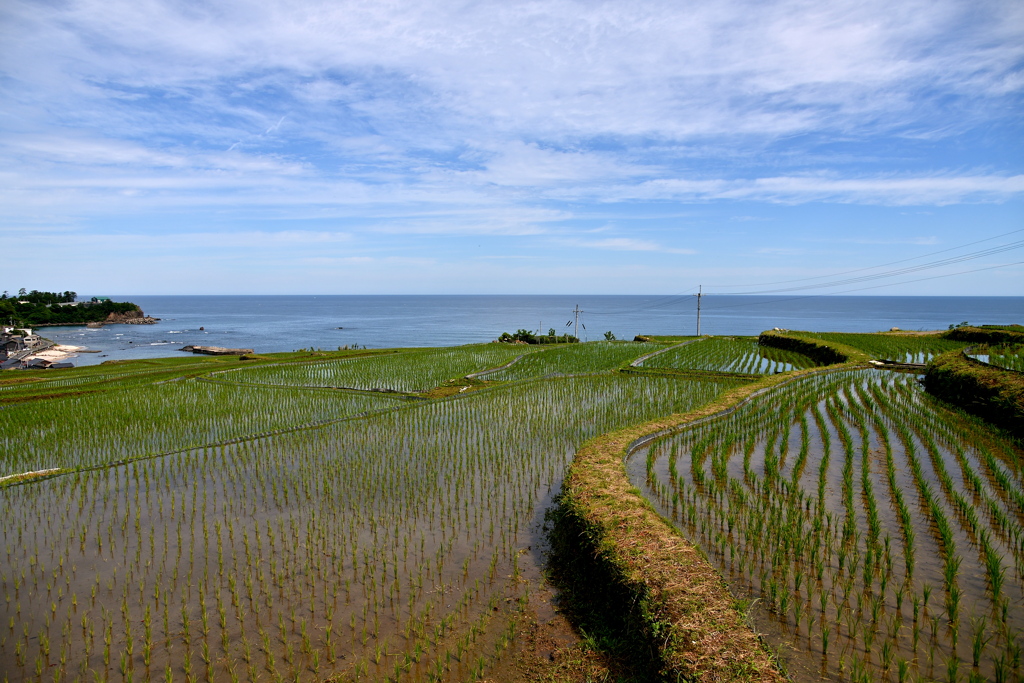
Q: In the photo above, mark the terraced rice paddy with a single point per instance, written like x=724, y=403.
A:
x=882, y=532
x=572, y=359
x=728, y=354
x=385, y=546
x=405, y=371
x=901, y=348
x=1009, y=357
x=138, y=421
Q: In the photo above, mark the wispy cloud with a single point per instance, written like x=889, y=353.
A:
x=520, y=120
x=625, y=244
x=930, y=190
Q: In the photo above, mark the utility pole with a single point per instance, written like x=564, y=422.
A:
x=699, y=294
x=576, y=330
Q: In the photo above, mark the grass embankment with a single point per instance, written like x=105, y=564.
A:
x=992, y=393
x=826, y=353
x=677, y=614
x=988, y=334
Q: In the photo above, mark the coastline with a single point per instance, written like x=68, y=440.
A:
x=144, y=320
x=57, y=353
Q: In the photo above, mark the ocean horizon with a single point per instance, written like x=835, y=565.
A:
x=274, y=323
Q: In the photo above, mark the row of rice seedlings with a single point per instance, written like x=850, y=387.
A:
x=978, y=533
x=1010, y=357
x=82, y=431
x=901, y=348
x=573, y=359
x=821, y=546
x=375, y=547
x=728, y=354
x=987, y=490
x=416, y=370
x=970, y=483
x=115, y=375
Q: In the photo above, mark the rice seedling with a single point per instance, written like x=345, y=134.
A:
x=314, y=552
x=405, y=371
x=730, y=354
x=572, y=359
x=881, y=472
x=1009, y=356
x=77, y=432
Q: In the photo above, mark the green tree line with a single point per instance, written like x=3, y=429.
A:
x=38, y=309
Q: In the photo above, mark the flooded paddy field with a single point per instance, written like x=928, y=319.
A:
x=877, y=533
x=403, y=371
x=900, y=347
x=1010, y=357
x=729, y=354
x=371, y=538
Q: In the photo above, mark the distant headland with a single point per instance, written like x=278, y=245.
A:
x=46, y=309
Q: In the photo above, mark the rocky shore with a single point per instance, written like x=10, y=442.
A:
x=216, y=350
x=130, y=318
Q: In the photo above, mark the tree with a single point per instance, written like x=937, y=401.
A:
x=609, y=336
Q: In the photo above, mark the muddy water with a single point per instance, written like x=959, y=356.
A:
x=834, y=565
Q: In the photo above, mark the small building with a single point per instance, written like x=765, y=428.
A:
x=10, y=344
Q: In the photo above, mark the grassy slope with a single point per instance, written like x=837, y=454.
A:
x=994, y=394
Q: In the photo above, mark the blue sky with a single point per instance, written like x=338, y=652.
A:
x=159, y=147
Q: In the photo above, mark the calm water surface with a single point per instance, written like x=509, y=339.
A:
x=286, y=323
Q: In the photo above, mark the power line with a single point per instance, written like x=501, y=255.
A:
x=901, y=271
x=881, y=265
x=861, y=289
x=670, y=300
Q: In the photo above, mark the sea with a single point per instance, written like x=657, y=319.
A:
x=269, y=324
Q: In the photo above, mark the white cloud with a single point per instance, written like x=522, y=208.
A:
x=933, y=190
x=515, y=118
x=625, y=244
x=665, y=69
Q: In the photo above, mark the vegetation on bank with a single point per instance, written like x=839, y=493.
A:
x=994, y=394
x=811, y=345
x=837, y=347
x=38, y=309
x=678, y=609
x=987, y=334
x=528, y=337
